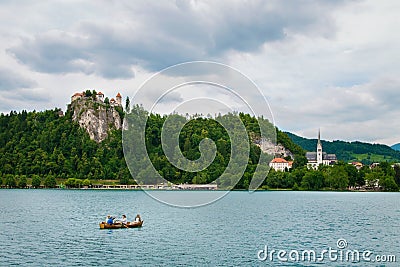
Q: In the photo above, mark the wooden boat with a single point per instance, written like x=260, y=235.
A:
x=134, y=224
x=104, y=225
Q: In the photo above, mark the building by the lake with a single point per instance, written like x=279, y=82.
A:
x=280, y=164
x=319, y=157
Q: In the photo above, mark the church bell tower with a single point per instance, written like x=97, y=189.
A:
x=319, y=149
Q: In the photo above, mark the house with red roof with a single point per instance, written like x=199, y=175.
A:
x=280, y=164
x=76, y=96
x=100, y=96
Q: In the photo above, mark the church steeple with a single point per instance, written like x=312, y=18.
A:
x=319, y=137
x=319, y=149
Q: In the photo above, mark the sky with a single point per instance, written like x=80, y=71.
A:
x=332, y=65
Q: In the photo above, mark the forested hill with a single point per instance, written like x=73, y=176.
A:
x=47, y=144
x=351, y=151
x=396, y=147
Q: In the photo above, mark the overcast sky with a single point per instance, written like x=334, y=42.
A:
x=332, y=65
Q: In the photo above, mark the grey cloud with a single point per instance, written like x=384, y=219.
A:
x=23, y=98
x=10, y=80
x=18, y=91
x=365, y=112
x=55, y=52
x=375, y=99
x=155, y=36
x=171, y=97
x=37, y=95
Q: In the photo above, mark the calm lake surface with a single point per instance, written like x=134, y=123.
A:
x=60, y=228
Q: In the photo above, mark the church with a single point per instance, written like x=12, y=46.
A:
x=319, y=157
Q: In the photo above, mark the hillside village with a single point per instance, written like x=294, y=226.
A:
x=378, y=176
x=314, y=159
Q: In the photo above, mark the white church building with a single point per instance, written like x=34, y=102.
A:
x=319, y=157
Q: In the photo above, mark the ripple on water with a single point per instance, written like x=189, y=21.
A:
x=60, y=227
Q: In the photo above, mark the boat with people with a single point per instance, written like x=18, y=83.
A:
x=122, y=223
x=104, y=225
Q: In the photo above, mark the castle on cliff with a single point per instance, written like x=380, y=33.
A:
x=90, y=109
x=99, y=97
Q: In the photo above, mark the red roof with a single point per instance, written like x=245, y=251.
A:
x=78, y=94
x=100, y=93
x=118, y=95
x=279, y=160
x=112, y=100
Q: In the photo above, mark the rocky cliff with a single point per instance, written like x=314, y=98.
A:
x=270, y=148
x=96, y=117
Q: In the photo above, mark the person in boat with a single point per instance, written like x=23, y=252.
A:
x=110, y=220
x=124, y=221
x=137, y=218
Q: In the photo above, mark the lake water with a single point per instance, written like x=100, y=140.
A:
x=60, y=228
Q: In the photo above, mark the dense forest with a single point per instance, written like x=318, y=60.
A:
x=44, y=146
x=351, y=151
x=194, y=131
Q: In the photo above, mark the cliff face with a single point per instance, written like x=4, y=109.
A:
x=277, y=150
x=270, y=148
x=96, y=117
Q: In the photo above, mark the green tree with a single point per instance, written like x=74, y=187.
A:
x=299, y=161
x=88, y=93
x=388, y=183
x=127, y=105
x=70, y=182
x=296, y=175
x=362, y=174
x=86, y=182
x=10, y=181
x=36, y=181
x=313, y=180
x=22, y=183
x=373, y=178
x=124, y=180
x=397, y=174
x=277, y=179
x=200, y=178
x=352, y=174
x=387, y=168
x=50, y=182
x=336, y=177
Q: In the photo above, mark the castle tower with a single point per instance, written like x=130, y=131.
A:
x=76, y=96
x=100, y=96
x=118, y=99
x=319, y=149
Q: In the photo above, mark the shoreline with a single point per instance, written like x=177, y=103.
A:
x=199, y=190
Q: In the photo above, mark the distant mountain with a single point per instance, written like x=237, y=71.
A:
x=351, y=151
x=396, y=147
